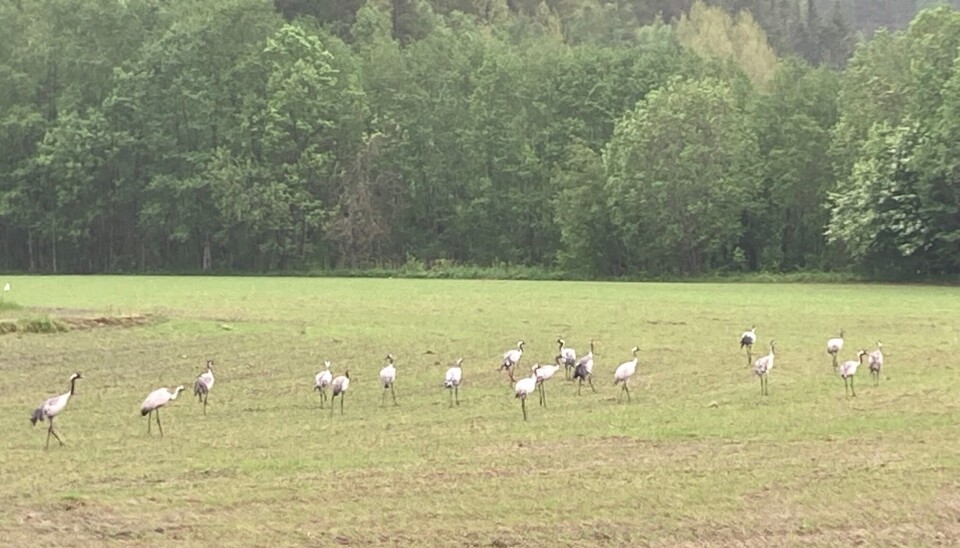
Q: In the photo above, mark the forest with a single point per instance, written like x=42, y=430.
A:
x=604, y=139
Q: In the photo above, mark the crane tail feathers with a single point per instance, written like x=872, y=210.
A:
x=199, y=388
x=36, y=416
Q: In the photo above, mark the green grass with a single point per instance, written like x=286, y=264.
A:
x=698, y=457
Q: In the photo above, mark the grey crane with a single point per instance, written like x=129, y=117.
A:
x=339, y=387
x=53, y=407
x=762, y=368
x=154, y=401
x=583, y=371
x=203, y=385
x=876, y=363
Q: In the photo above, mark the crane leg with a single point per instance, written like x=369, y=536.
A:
x=590, y=380
x=876, y=378
x=383, y=396
x=332, y=401
x=456, y=393
x=579, y=385
x=852, y=391
x=749, y=356
x=341, y=404
x=450, y=393
x=160, y=426
x=323, y=396
x=205, y=396
x=149, y=416
x=543, y=395
x=393, y=394
x=50, y=432
x=627, y=390
x=523, y=406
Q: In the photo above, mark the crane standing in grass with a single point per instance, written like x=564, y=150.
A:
x=876, y=363
x=543, y=374
x=747, y=338
x=203, y=385
x=338, y=388
x=567, y=357
x=511, y=358
x=388, y=376
x=583, y=371
x=762, y=368
x=155, y=400
x=53, y=407
x=848, y=369
x=321, y=381
x=451, y=381
x=523, y=388
x=623, y=373
x=834, y=346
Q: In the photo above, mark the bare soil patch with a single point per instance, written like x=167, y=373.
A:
x=61, y=324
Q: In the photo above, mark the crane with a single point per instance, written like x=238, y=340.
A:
x=53, y=407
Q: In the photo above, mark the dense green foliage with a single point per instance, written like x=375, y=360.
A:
x=590, y=137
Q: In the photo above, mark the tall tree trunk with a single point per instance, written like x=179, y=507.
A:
x=53, y=248
x=30, y=250
x=207, y=258
x=303, y=238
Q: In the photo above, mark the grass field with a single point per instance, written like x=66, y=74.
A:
x=698, y=457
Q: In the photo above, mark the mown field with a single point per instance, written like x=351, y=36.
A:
x=698, y=457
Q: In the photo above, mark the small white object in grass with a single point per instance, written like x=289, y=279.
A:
x=6, y=286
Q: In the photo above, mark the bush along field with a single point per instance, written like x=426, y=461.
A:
x=697, y=456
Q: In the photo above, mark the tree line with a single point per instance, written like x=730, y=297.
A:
x=602, y=139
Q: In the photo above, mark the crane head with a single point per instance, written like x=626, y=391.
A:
x=76, y=376
x=326, y=363
x=520, y=345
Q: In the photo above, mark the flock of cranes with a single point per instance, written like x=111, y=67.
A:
x=845, y=370
x=575, y=369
